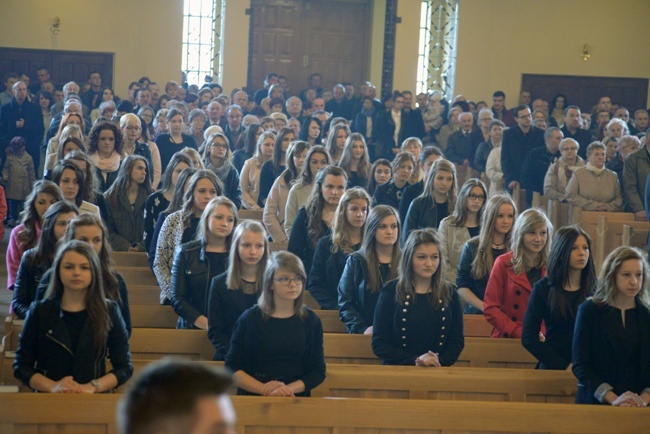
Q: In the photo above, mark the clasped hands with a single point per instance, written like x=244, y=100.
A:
x=68, y=385
x=276, y=388
x=428, y=359
x=629, y=399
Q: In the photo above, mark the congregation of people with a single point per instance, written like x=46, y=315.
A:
x=363, y=197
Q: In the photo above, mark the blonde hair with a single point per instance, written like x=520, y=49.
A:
x=340, y=233
x=606, y=288
x=363, y=168
x=442, y=165
x=202, y=230
x=234, y=278
x=530, y=220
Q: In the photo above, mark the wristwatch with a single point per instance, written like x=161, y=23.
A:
x=95, y=383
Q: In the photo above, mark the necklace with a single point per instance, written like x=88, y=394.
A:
x=498, y=246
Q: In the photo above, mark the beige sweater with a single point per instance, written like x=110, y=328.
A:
x=585, y=189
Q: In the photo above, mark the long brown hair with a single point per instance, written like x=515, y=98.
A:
x=291, y=263
x=28, y=235
x=306, y=177
x=442, y=166
x=187, y=210
x=369, y=246
x=340, y=225
x=123, y=181
x=363, y=168
x=234, y=279
x=316, y=202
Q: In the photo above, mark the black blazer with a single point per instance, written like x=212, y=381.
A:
x=357, y=301
x=326, y=271
x=45, y=347
x=300, y=244
x=596, y=350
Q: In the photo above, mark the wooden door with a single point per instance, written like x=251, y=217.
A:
x=63, y=65
x=585, y=92
x=296, y=38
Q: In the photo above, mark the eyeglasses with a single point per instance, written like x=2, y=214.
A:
x=219, y=145
x=473, y=196
x=285, y=281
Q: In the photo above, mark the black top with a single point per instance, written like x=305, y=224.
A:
x=388, y=194
x=300, y=244
x=287, y=349
x=424, y=212
x=325, y=274
x=408, y=196
x=239, y=157
x=555, y=351
x=356, y=180
x=474, y=232
x=534, y=275
x=402, y=333
x=464, y=278
x=225, y=306
x=267, y=178
x=74, y=322
x=168, y=148
x=155, y=204
x=29, y=275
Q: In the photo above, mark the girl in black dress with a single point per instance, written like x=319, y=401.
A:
x=356, y=161
x=198, y=261
x=611, y=344
x=366, y=270
x=67, y=337
x=555, y=298
x=236, y=290
x=277, y=346
x=419, y=319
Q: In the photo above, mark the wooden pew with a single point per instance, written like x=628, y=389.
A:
x=558, y=213
x=152, y=316
x=143, y=294
x=137, y=275
x=130, y=259
x=67, y=414
x=635, y=237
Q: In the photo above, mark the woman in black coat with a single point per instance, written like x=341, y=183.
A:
x=332, y=250
x=419, y=319
x=555, y=299
x=367, y=270
x=611, y=344
x=198, y=261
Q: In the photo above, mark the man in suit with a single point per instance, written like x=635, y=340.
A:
x=517, y=142
x=461, y=147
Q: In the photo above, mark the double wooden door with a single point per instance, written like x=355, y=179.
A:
x=296, y=38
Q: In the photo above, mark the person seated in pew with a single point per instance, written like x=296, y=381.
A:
x=428, y=156
x=67, y=336
x=174, y=205
x=514, y=274
x=89, y=190
x=315, y=218
x=38, y=260
x=276, y=203
x=277, y=345
x=125, y=201
x=464, y=223
x=70, y=179
x=249, y=181
x=198, y=261
x=437, y=201
x=317, y=158
x=337, y=136
x=181, y=226
x=380, y=173
x=272, y=168
x=611, y=344
x=419, y=319
x=159, y=200
x=368, y=269
x=217, y=158
x=356, y=161
x=594, y=187
x=332, y=251
x=479, y=253
x=390, y=193
x=178, y=397
x=237, y=289
x=559, y=173
x=555, y=298
x=91, y=229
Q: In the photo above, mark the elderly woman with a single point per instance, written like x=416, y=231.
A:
x=196, y=122
x=558, y=174
x=594, y=187
x=616, y=128
x=626, y=145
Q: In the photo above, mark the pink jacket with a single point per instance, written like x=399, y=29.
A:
x=15, y=254
x=3, y=212
x=506, y=298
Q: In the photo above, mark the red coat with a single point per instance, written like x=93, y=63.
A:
x=506, y=298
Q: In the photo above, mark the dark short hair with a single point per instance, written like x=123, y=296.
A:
x=499, y=93
x=167, y=391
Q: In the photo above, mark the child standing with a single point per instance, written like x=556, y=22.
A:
x=19, y=177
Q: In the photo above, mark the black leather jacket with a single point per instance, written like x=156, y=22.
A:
x=45, y=347
x=27, y=280
x=325, y=274
x=356, y=301
x=191, y=277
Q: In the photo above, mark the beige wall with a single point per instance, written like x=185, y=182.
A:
x=235, y=56
x=145, y=35
x=406, y=45
x=498, y=40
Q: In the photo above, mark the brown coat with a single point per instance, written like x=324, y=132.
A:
x=19, y=175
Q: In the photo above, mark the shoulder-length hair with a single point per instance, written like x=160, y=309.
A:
x=108, y=272
x=291, y=172
x=30, y=219
x=260, y=141
x=57, y=173
x=203, y=228
x=528, y=221
x=484, y=259
x=176, y=159
x=606, y=288
x=234, y=278
x=316, y=202
x=68, y=132
x=187, y=209
x=558, y=270
x=369, y=247
x=207, y=145
x=47, y=243
x=442, y=166
x=286, y=261
x=304, y=130
x=340, y=225
x=363, y=168
x=401, y=158
x=441, y=289
x=96, y=305
x=90, y=183
x=306, y=177
x=331, y=138
x=123, y=181
x=93, y=136
x=459, y=216
x=278, y=153
x=372, y=183
x=194, y=156
x=179, y=190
